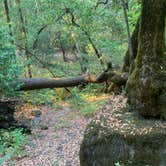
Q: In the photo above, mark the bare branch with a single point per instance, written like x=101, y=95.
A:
x=101, y=3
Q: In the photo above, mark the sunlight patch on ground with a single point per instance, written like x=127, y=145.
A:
x=25, y=110
x=97, y=98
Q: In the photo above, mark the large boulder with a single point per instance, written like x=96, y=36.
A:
x=118, y=137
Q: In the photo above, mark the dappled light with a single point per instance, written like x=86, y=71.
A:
x=82, y=83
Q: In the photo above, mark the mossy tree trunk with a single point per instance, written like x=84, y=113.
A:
x=146, y=86
x=131, y=140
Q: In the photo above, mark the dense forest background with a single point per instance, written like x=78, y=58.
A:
x=79, y=54
x=84, y=35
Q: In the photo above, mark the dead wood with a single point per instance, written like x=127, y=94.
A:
x=42, y=83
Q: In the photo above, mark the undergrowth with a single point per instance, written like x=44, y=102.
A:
x=84, y=101
x=81, y=99
x=11, y=144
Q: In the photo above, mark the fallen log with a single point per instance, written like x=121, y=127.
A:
x=42, y=83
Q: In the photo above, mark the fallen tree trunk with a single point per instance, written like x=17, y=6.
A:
x=42, y=83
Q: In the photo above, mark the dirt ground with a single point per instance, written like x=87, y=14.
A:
x=55, y=139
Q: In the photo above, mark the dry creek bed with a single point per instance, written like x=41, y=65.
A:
x=55, y=144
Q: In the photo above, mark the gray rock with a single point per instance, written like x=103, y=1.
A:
x=125, y=139
x=35, y=122
x=43, y=127
x=36, y=113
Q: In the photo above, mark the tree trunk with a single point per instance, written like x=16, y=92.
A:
x=24, y=31
x=146, y=86
x=83, y=61
x=97, y=52
x=134, y=43
x=130, y=47
x=6, y=7
x=42, y=83
x=62, y=48
x=131, y=140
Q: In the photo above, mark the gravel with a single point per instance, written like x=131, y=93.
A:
x=58, y=143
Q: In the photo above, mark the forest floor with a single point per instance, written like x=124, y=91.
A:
x=56, y=132
x=55, y=139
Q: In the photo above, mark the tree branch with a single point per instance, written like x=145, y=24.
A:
x=100, y=3
x=43, y=27
x=99, y=56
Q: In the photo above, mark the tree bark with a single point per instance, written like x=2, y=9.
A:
x=62, y=47
x=6, y=7
x=146, y=86
x=24, y=31
x=134, y=41
x=130, y=47
x=42, y=83
x=38, y=33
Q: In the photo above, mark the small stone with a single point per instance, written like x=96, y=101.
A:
x=68, y=163
x=43, y=127
x=36, y=113
x=35, y=122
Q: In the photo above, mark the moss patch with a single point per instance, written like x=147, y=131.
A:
x=116, y=135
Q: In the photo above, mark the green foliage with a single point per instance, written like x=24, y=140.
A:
x=88, y=108
x=63, y=124
x=48, y=23
x=59, y=68
x=40, y=97
x=134, y=12
x=11, y=144
x=104, y=25
x=80, y=100
x=9, y=68
x=117, y=164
